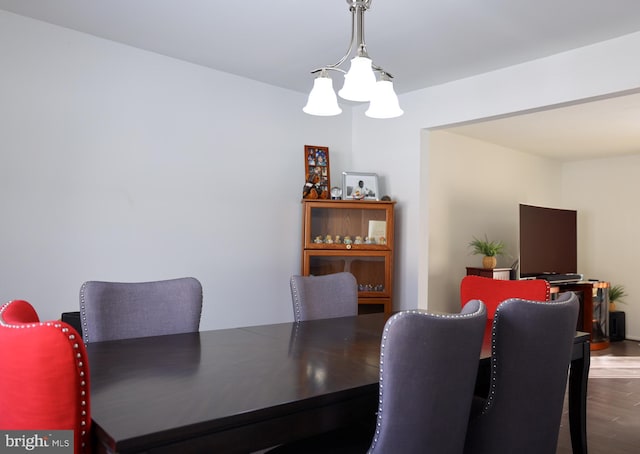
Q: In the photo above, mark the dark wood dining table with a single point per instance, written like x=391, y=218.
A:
x=246, y=389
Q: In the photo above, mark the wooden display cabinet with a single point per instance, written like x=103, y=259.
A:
x=353, y=236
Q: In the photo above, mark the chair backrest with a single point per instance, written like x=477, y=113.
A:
x=428, y=366
x=494, y=291
x=45, y=375
x=117, y=310
x=326, y=296
x=531, y=352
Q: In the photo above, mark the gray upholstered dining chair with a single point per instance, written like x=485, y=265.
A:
x=428, y=366
x=326, y=296
x=121, y=310
x=531, y=352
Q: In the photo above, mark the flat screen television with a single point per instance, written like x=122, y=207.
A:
x=548, y=241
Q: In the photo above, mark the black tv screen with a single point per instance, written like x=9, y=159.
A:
x=548, y=241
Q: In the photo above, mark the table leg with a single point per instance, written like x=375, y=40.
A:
x=578, y=376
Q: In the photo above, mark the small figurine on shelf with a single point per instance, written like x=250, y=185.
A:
x=338, y=240
x=318, y=240
x=369, y=240
x=328, y=239
x=358, y=240
x=382, y=240
x=347, y=240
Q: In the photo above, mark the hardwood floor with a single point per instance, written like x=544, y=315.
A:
x=613, y=409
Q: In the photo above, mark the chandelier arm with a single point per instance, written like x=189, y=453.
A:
x=381, y=71
x=357, y=8
x=361, y=6
x=351, y=42
x=328, y=68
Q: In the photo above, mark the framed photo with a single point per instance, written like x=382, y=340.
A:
x=360, y=186
x=317, y=180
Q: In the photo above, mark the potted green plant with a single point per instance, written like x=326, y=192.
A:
x=489, y=249
x=616, y=293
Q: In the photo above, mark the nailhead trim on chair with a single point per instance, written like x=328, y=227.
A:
x=83, y=315
x=80, y=364
x=383, y=345
x=296, y=299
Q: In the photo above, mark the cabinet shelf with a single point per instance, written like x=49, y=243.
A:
x=352, y=247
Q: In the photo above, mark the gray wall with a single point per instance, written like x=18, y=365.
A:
x=119, y=164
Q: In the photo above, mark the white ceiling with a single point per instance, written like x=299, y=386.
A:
x=597, y=129
x=421, y=42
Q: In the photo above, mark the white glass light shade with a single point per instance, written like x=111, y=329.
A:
x=359, y=82
x=322, y=99
x=384, y=102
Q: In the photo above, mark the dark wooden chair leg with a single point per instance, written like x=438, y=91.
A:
x=578, y=377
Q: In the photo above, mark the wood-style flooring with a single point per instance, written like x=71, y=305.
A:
x=613, y=410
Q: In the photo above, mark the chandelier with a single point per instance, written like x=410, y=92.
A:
x=360, y=83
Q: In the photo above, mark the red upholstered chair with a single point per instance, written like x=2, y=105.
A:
x=44, y=382
x=494, y=291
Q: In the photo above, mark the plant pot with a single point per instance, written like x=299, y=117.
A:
x=612, y=306
x=489, y=263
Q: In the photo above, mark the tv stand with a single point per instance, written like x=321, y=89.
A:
x=564, y=278
x=584, y=292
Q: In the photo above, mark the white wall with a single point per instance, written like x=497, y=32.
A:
x=120, y=164
x=474, y=190
x=605, y=193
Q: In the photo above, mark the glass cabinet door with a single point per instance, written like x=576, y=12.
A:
x=372, y=271
x=348, y=225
